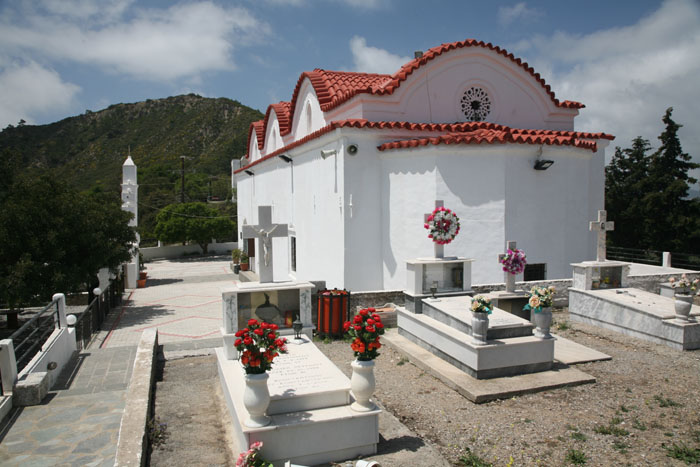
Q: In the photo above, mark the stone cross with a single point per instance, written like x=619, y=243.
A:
x=601, y=226
x=439, y=249
x=265, y=231
x=508, y=277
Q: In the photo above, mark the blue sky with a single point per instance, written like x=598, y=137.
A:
x=626, y=60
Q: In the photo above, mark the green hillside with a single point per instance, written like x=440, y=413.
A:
x=88, y=150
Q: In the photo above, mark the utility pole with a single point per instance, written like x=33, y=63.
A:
x=182, y=179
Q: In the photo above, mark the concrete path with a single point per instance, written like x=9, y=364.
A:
x=78, y=422
x=182, y=298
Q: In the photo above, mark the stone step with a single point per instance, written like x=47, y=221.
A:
x=455, y=312
x=499, y=357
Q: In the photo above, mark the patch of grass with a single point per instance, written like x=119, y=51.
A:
x=528, y=420
x=563, y=326
x=472, y=460
x=621, y=446
x=668, y=434
x=402, y=361
x=624, y=409
x=638, y=425
x=578, y=436
x=156, y=431
x=683, y=453
x=615, y=421
x=575, y=457
x=667, y=402
x=611, y=429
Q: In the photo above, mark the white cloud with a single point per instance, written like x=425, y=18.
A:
x=373, y=60
x=519, y=11
x=367, y=4
x=628, y=76
x=156, y=44
x=30, y=90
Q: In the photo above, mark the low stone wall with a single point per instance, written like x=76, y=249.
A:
x=132, y=447
x=178, y=251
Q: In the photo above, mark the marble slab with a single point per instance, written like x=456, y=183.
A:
x=456, y=313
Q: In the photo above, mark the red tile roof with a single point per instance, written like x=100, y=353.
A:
x=333, y=88
x=454, y=133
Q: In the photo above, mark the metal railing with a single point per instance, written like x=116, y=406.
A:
x=29, y=338
x=90, y=320
x=678, y=260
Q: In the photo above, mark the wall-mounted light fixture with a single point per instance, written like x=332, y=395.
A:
x=325, y=153
x=287, y=159
x=250, y=172
x=543, y=164
x=352, y=149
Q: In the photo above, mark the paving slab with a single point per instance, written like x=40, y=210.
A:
x=479, y=391
x=182, y=299
x=569, y=352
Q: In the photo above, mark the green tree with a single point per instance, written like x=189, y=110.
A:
x=647, y=195
x=54, y=239
x=192, y=222
x=671, y=221
x=625, y=184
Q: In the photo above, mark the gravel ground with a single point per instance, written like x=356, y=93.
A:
x=645, y=401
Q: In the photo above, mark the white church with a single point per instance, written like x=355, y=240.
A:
x=353, y=162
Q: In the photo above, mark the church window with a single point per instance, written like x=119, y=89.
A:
x=476, y=104
x=309, y=122
x=293, y=250
x=535, y=272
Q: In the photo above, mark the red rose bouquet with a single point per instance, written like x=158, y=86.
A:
x=258, y=345
x=365, y=329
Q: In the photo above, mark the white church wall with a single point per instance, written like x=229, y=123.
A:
x=517, y=99
x=318, y=214
x=364, y=224
x=253, y=150
x=415, y=178
x=547, y=211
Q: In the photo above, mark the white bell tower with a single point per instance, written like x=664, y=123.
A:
x=130, y=204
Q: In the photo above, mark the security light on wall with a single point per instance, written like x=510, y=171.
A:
x=250, y=172
x=325, y=153
x=543, y=164
x=287, y=159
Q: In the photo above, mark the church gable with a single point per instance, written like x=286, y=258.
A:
x=466, y=81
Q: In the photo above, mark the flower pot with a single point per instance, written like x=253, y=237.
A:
x=143, y=275
x=683, y=304
x=362, y=384
x=236, y=268
x=140, y=283
x=256, y=399
x=244, y=266
x=543, y=320
x=480, y=327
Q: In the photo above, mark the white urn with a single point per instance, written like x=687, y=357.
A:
x=362, y=384
x=256, y=399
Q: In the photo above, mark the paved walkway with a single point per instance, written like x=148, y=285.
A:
x=182, y=298
x=78, y=423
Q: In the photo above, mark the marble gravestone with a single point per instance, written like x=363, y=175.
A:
x=311, y=419
x=600, y=296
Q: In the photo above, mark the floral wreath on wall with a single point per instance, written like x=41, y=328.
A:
x=443, y=225
x=513, y=261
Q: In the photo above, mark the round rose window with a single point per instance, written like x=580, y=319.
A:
x=476, y=104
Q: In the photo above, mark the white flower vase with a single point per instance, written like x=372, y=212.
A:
x=683, y=304
x=362, y=384
x=480, y=327
x=543, y=321
x=256, y=399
